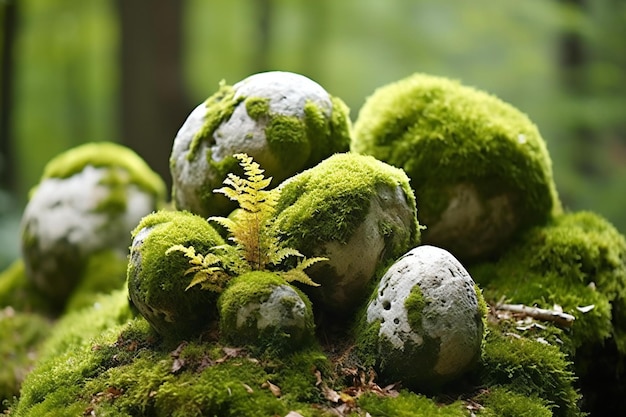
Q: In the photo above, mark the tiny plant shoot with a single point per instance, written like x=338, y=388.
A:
x=255, y=245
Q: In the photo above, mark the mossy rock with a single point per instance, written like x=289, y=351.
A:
x=88, y=200
x=261, y=309
x=103, y=361
x=358, y=212
x=576, y=262
x=158, y=282
x=285, y=121
x=425, y=322
x=479, y=167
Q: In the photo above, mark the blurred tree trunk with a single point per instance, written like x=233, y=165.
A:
x=573, y=64
x=264, y=14
x=8, y=16
x=153, y=103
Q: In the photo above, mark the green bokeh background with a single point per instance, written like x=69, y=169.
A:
x=67, y=79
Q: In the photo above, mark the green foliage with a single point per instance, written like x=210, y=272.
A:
x=501, y=402
x=256, y=245
x=20, y=336
x=530, y=368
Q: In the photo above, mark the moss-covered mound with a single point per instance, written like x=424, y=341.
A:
x=102, y=361
x=260, y=308
x=358, y=212
x=88, y=200
x=20, y=336
x=479, y=167
x=577, y=264
x=158, y=280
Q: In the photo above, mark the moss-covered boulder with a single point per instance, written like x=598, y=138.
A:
x=479, y=167
x=88, y=200
x=424, y=324
x=358, y=212
x=285, y=121
x=157, y=282
x=261, y=309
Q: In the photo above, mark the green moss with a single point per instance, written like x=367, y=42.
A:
x=18, y=292
x=125, y=370
x=408, y=404
x=157, y=282
x=21, y=334
x=444, y=134
x=501, y=402
x=117, y=181
x=103, y=361
x=104, y=272
x=78, y=328
x=287, y=139
x=414, y=305
x=577, y=260
x=530, y=368
x=252, y=289
x=328, y=202
x=257, y=107
x=75, y=352
x=220, y=107
x=108, y=155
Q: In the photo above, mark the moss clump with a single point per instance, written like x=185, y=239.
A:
x=577, y=260
x=328, y=202
x=501, y=402
x=158, y=282
x=104, y=271
x=414, y=305
x=107, y=155
x=220, y=107
x=457, y=143
x=356, y=211
x=530, y=368
x=249, y=314
x=20, y=293
x=21, y=334
x=102, y=361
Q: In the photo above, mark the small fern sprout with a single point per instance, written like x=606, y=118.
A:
x=256, y=246
x=204, y=267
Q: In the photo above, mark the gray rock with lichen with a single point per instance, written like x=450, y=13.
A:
x=285, y=121
x=260, y=308
x=428, y=317
x=72, y=216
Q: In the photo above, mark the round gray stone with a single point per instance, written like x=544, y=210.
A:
x=429, y=317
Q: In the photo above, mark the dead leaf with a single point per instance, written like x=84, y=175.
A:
x=248, y=389
x=274, y=389
x=294, y=414
x=177, y=365
x=176, y=352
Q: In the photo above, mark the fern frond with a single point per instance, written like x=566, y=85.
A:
x=280, y=254
x=299, y=276
x=307, y=262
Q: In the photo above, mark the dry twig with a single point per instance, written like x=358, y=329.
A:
x=558, y=317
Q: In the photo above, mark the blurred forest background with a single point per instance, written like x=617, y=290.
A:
x=74, y=71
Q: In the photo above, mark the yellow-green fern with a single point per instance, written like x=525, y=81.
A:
x=255, y=246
